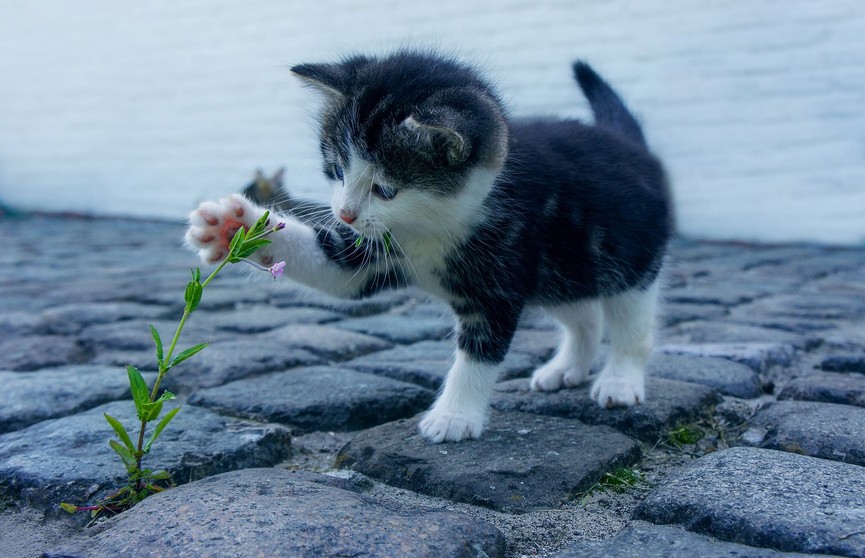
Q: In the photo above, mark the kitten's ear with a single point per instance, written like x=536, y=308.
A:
x=334, y=80
x=327, y=78
x=440, y=133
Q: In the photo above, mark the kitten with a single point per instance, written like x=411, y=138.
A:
x=435, y=186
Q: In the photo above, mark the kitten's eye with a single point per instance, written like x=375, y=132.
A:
x=383, y=192
x=337, y=172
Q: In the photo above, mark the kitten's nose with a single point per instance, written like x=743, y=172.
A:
x=347, y=215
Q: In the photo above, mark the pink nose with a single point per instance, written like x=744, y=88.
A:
x=347, y=216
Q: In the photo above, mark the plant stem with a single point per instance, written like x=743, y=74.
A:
x=164, y=370
x=186, y=313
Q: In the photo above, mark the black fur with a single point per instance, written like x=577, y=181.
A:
x=578, y=211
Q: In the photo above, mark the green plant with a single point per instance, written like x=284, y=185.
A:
x=386, y=240
x=621, y=480
x=618, y=480
x=685, y=435
x=142, y=482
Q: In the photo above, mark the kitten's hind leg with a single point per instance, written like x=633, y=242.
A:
x=582, y=326
x=630, y=318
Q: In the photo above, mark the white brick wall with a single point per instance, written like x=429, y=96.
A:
x=145, y=108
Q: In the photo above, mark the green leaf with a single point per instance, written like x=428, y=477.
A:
x=196, y=275
x=139, y=391
x=125, y=455
x=162, y=474
x=160, y=427
x=166, y=396
x=237, y=240
x=121, y=432
x=251, y=246
x=153, y=410
x=186, y=354
x=358, y=241
x=158, y=340
x=192, y=296
x=386, y=238
x=69, y=508
x=259, y=225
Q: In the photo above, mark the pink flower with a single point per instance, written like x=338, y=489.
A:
x=277, y=269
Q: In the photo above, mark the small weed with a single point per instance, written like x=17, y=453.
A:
x=686, y=435
x=619, y=480
x=148, y=401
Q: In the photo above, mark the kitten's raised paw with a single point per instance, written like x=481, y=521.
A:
x=618, y=392
x=440, y=427
x=214, y=224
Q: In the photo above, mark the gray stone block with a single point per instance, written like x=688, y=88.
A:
x=644, y=540
x=668, y=404
x=32, y=352
x=728, y=377
x=539, y=343
x=831, y=387
x=135, y=334
x=401, y=329
x=766, y=498
x=520, y=463
x=844, y=363
x=261, y=318
x=760, y=357
x=227, y=361
x=298, y=296
x=728, y=332
x=18, y=323
x=317, y=398
x=326, y=341
x=71, y=318
x=273, y=512
x=710, y=295
x=427, y=363
x=69, y=459
x=822, y=430
x=676, y=313
x=30, y=397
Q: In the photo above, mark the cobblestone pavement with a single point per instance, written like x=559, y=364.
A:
x=297, y=434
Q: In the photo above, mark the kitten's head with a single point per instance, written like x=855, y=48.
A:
x=411, y=142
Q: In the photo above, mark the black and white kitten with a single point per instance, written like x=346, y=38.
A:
x=435, y=186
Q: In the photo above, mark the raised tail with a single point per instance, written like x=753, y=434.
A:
x=609, y=109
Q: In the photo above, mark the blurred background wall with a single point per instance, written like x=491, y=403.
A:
x=118, y=107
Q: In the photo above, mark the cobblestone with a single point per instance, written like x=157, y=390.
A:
x=760, y=346
x=766, y=498
x=317, y=399
x=522, y=462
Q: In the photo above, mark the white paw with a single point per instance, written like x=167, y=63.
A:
x=213, y=225
x=615, y=391
x=552, y=377
x=547, y=378
x=438, y=426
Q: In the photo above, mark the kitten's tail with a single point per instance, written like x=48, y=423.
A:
x=610, y=111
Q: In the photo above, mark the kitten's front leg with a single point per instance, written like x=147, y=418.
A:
x=460, y=412
x=316, y=258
